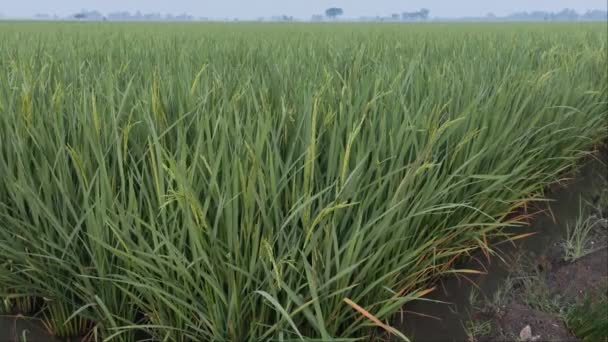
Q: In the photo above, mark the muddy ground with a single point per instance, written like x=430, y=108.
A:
x=563, y=285
x=541, y=288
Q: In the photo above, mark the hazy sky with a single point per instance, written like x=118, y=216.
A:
x=296, y=8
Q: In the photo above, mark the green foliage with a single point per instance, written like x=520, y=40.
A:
x=6, y=306
x=60, y=321
x=251, y=182
x=26, y=304
x=476, y=329
x=589, y=319
x=578, y=242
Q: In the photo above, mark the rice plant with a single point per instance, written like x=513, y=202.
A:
x=257, y=182
x=6, y=306
x=61, y=322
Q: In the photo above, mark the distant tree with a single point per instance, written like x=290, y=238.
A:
x=564, y=15
x=567, y=14
x=333, y=12
x=395, y=16
x=424, y=14
x=596, y=15
x=94, y=15
x=88, y=15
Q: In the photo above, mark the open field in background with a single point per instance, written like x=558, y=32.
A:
x=267, y=181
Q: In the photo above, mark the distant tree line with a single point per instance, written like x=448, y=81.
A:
x=127, y=16
x=335, y=12
x=566, y=14
x=423, y=14
x=281, y=18
x=563, y=15
x=420, y=15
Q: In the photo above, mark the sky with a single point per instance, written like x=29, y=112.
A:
x=250, y=9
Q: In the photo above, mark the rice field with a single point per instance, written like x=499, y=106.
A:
x=233, y=182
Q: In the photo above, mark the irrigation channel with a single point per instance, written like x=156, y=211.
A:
x=447, y=322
